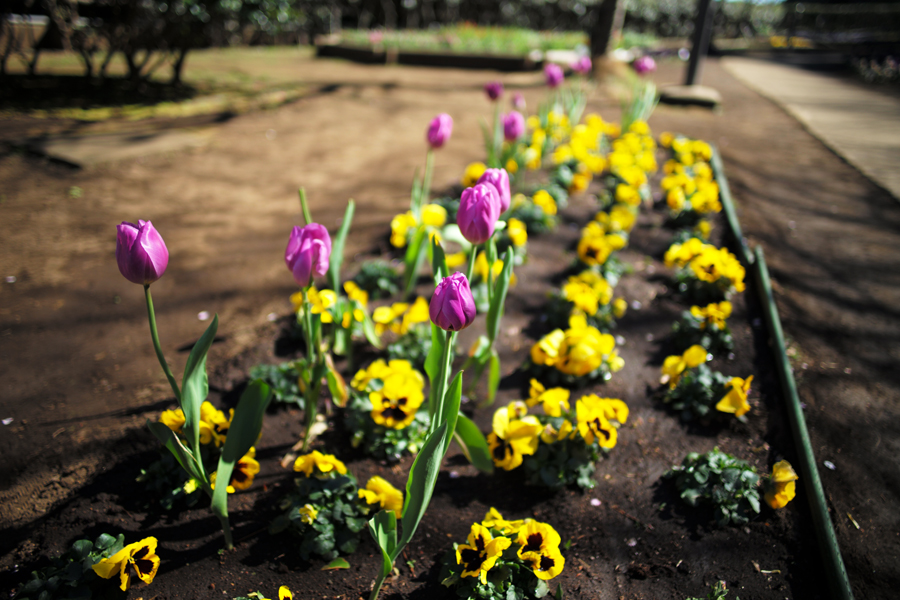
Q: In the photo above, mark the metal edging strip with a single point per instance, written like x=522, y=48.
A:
x=836, y=574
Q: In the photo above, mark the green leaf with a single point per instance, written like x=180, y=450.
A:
x=171, y=441
x=473, y=444
x=383, y=527
x=413, y=259
x=450, y=413
x=338, y=563
x=498, y=298
x=195, y=385
x=438, y=261
x=493, y=375
x=337, y=247
x=336, y=384
x=369, y=332
x=420, y=484
x=243, y=433
x=433, y=360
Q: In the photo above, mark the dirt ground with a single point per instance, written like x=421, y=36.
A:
x=79, y=375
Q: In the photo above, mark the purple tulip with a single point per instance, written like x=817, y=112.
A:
x=582, y=65
x=494, y=89
x=307, y=253
x=140, y=252
x=553, y=73
x=479, y=209
x=518, y=102
x=452, y=307
x=439, y=130
x=498, y=178
x=644, y=64
x=513, y=126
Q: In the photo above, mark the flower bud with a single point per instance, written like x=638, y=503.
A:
x=439, y=130
x=644, y=64
x=307, y=253
x=452, y=307
x=582, y=65
x=493, y=89
x=513, y=126
x=553, y=73
x=518, y=102
x=498, y=178
x=479, y=209
x=141, y=253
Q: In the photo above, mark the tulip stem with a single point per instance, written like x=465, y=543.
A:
x=151, y=314
x=426, y=183
x=304, y=206
x=226, y=529
x=443, y=377
x=314, y=365
x=470, y=268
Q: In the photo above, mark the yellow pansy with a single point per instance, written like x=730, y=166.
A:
x=627, y=194
x=481, y=552
x=735, y=401
x=546, y=350
x=619, y=307
x=173, y=419
x=712, y=314
x=140, y=557
x=473, y=173
x=395, y=404
x=494, y=520
x=545, y=202
x=456, y=259
x=379, y=491
x=356, y=293
x=434, y=215
x=325, y=464
x=400, y=226
x=512, y=167
x=308, y=513
x=562, y=154
x=580, y=183
x=512, y=438
x=518, y=233
x=595, y=416
x=551, y=435
x=555, y=400
x=674, y=366
x=242, y=476
x=583, y=349
x=782, y=485
x=539, y=547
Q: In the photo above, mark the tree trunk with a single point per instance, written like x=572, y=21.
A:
x=178, y=65
x=602, y=28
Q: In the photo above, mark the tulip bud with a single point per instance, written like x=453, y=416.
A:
x=498, y=178
x=518, y=102
x=513, y=126
x=439, y=130
x=479, y=209
x=553, y=73
x=141, y=253
x=582, y=65
x=452, y=307
x=644, y=64
x=307, y=253
x=493, y=89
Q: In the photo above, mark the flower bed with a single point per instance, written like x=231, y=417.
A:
x=629, y=534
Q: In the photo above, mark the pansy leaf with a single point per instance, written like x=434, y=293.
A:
x=338, y=563
x=243, y=433
x=337, y=247
x=473, y=444
x=195, y=385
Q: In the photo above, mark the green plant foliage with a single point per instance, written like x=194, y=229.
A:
x=379, y=278
x=414, y=345
x=697, y=392
x=71, y=576
x=691, y=330
x=377, y=440
x=164, y=481
x=564, y=463
x=283, y=379
x=720, y=480
x=340, y=516
x=718, y=592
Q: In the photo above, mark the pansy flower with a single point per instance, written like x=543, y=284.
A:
x=379, y=491
x=396, y=403
x=555, y=400
x=735, y=401
x=325, y=464
x=139, y=558
x=782, y=485
x=242, y=475
x=594, y=416
x=539, y=546
x=674, y=366
x=481, y=552
x=513, y=436
x=494, y=520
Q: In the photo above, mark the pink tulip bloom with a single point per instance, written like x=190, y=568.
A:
x=439, y=130
x=308, y=252
x=479, y=209
x=498, y=178
x=452, y=307
x=141, y=253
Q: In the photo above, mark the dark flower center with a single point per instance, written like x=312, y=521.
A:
x=534, y=542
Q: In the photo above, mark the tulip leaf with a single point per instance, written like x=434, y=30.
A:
x=473, y=444
x=493, y=375
x=450, y=413
x=338, y=563
x=370, y=333
x=433, y=360
x=413, y=259
x=438, y=261
x=336, y=383
x=178, y=450
x=243, y=433
x=195, y=385
x=451, y=233
x=337, y=247
x=498, y=298
x=383, y=527
x=420, y=484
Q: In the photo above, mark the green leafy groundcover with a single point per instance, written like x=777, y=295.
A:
x=467, y=39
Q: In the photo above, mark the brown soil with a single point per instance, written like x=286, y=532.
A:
x=80, y=376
